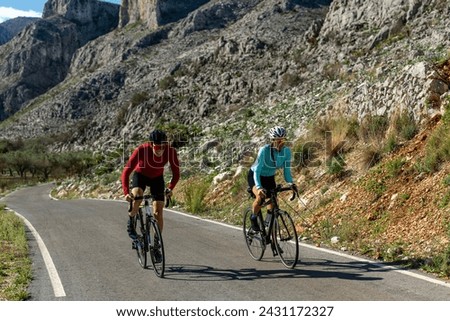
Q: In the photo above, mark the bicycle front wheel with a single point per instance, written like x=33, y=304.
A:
x=157, y=249
x=254, y=240
x=285, y=238
x=141, y=241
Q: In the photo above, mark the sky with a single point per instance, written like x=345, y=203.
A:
x=25, y=8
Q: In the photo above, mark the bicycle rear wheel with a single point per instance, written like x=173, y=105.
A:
x=157, y=249
x=285, y=238
x=140, y=241
x=254, y=240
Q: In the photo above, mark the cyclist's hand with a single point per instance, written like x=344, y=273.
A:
x=293, y=187
x=168, y=192
x=262, y=193
x=129, y=198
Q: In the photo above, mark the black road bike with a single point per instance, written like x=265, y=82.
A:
x=149, y=241
x=277, y=229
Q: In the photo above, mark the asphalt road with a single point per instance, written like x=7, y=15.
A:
x=92, y=259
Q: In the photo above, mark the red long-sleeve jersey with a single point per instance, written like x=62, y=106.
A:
x=144, y=161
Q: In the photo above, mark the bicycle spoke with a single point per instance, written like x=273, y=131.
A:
x=157, y=249
x=285, y=236
x=141, y=253
x=254, y=240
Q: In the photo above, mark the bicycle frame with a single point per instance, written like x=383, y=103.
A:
x=267, y=231
x=150, y=237
x=278, y=230
x=145, y=219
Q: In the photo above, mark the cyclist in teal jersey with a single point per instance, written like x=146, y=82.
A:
x=261, y=177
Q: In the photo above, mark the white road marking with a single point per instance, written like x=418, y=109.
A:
x=378, y=264
x=58, y=288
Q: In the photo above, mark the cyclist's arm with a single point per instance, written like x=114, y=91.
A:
x=287, y=167
x=175, y=168
x=127, y=170
x=258, y=167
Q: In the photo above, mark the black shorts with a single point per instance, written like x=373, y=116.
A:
x=156, y=185
x=267, y=182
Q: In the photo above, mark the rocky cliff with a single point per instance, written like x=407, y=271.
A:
x=39, y=57
x=155, y=13
x=12, y=27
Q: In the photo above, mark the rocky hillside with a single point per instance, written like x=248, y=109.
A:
x=222, y=66
x=39, y=57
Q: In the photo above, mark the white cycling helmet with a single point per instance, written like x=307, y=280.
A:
x=277, y=132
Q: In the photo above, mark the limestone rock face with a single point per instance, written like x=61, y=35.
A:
x=39, y=57
x=155, y=13
x=12, y=27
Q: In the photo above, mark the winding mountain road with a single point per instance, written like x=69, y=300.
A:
x=81, y=251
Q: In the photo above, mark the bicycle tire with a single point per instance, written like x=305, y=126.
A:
x=158, y=265
x=140, y=242
x=254, y=240
x=285, y=237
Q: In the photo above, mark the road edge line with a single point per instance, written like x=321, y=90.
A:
x=349, y=256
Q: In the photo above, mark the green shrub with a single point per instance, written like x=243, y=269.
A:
x=194, y=195
x=138, y=98
x=336, y=166
x=375, y=186
x=373, y=127
x=391, y=143
x=290, y=80
x=439, y=264
x=394, y=167
x=403, y=125
x=438, y=149
x=167, y=83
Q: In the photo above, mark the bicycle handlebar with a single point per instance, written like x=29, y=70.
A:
x=146, y=197
x=292, y=188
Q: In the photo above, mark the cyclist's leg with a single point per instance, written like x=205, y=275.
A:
x=131, y=224
x=138, y=183
x=256, y=206
x=158, y=207
x=268, y=183
x=157, y=188
x=137, y=191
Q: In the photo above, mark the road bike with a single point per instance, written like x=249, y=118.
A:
x=149, y=241
x=277, y=229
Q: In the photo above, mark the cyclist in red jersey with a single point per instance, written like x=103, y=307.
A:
x=147, y=165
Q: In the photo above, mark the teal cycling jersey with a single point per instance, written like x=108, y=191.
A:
x=269, y=160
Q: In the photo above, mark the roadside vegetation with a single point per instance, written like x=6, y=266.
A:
x=15, y=265
x=21, y=164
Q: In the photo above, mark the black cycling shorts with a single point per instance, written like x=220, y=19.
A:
x=267, y=182
x=156, y=185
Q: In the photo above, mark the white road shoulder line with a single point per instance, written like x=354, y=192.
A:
x=58, y=288
x=395, y=269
